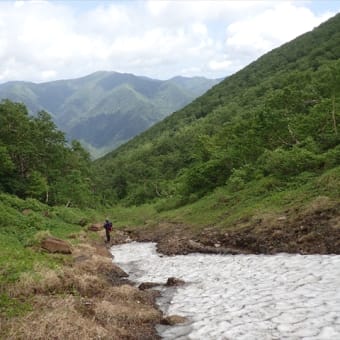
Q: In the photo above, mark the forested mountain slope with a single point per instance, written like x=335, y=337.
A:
x=278, y=118
x=37, y=162
x=105, y=109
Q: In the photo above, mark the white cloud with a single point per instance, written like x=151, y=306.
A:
x=251, y=37
x=45, y=40
x=271, y=26
x=222, y=65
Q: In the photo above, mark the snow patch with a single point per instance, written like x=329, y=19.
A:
x=242, y=296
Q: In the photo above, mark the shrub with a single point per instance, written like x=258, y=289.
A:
x=332, y=157
x=240, y=176
x=237, y=180
x=286, y=163
x=329, y=182
x=205, y=177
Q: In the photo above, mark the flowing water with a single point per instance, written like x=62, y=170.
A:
x=243, y=296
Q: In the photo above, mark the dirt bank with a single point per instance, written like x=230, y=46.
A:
x=87, y=298
x=312, y=230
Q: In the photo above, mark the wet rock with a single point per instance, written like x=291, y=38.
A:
x=55, y=245
x=148, y=285
x=95, y=227
x=173, y=281
x=173, y=320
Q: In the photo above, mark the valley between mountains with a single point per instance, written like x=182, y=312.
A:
x=251, y=166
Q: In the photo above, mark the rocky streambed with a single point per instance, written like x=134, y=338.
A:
x=281, y=296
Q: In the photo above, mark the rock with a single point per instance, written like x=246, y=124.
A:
x=148, y=285
x=282, y=218
x=55, y=245
x=173, y=320
x=95, y=227
x=118, y=271
x=195, y=245
x=217, y=245
x=173, y=281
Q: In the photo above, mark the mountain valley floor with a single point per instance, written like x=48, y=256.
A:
x=313, y=230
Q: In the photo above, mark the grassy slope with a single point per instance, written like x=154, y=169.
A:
x=226, y=208
x=22, y=223
x=238, y=95
x=82, y=295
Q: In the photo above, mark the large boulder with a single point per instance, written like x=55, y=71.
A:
x=56, y=245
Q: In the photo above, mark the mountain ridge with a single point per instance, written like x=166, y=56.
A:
x=277, y=105
x=73, y=103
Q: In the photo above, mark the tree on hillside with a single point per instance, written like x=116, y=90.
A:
x=35, y=158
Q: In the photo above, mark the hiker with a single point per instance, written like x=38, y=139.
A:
x=108, y=229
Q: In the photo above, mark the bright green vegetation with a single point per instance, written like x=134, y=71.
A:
x=275, y=121
x=36, y=161
x=105, y=109
x=22, y=224
x=226, y=207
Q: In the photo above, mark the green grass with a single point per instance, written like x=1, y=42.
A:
x=10, y=307
x=21, y=223
x=226, y=206
x=223, y=208
x=132, y=216
x=16, y=259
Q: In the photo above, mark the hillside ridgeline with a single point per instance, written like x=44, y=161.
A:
x=261, y=145
x=105, y=109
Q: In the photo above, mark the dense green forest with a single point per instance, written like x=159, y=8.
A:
x=277, y=119
x=36, y=161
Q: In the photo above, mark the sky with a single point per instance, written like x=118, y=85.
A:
x=44, y=40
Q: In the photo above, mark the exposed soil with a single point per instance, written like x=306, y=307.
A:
x=312, y=230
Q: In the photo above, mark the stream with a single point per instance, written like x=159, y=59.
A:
x=241, y=297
